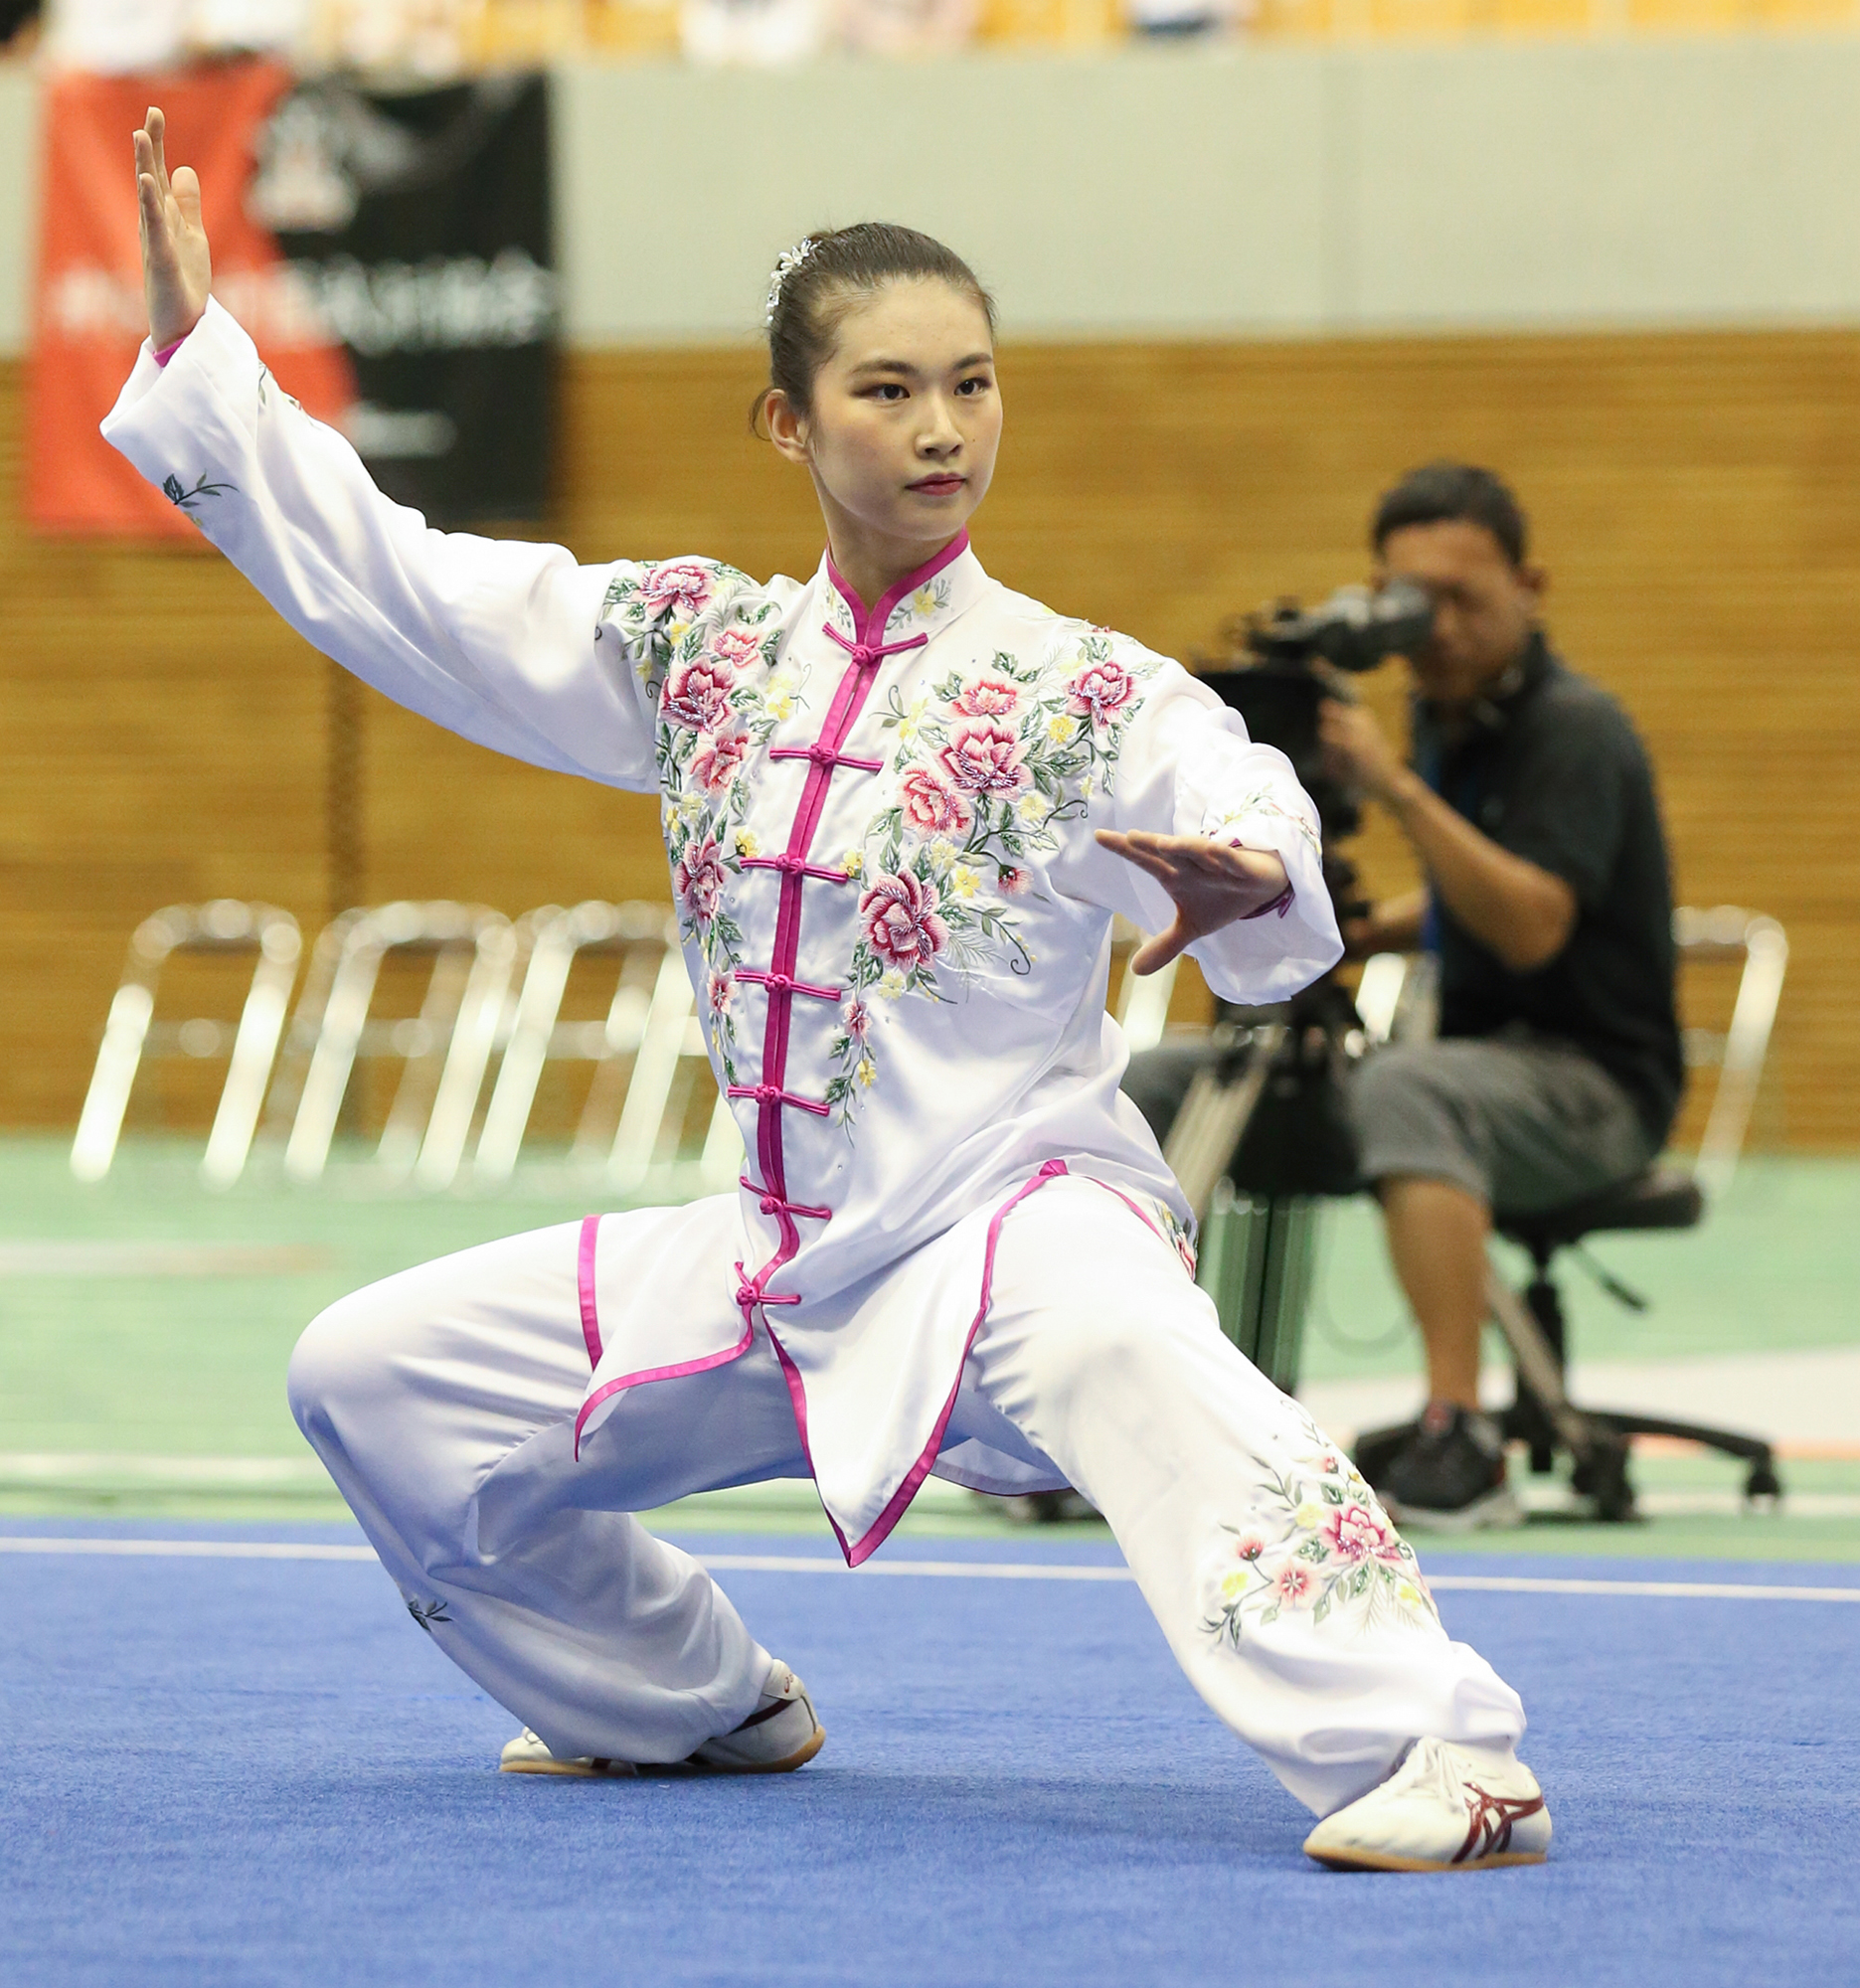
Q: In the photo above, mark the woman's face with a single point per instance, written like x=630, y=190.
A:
x=905, y=419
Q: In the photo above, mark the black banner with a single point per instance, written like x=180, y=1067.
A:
x=419, y=229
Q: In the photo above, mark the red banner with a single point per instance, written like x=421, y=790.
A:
x=89, y=317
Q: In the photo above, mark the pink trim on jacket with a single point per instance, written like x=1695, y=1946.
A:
x=899, y=1501
x=168, y=351
x=825, y=756
x=584, y=1287
x=1133, y=1207
x=647, y=1373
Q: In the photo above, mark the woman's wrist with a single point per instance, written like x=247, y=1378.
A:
x=166, y=348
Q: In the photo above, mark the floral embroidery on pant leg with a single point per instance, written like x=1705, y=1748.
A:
x=1323, y=1546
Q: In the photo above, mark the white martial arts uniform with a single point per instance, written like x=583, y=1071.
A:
x=956, y=1249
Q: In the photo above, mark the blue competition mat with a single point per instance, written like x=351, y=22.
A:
x=229, y=1769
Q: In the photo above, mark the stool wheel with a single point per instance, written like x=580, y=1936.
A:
x=1762, y=1487
x=1601, y=1475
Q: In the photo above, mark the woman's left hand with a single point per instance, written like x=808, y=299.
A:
x=1212, y=883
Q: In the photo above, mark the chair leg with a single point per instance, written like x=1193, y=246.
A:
x=1600, y=1451
x=1762, y=1484
x=1527, y=1421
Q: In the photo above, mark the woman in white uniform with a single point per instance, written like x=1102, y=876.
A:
x=901, y=806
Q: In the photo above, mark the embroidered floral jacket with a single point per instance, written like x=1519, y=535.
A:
x=880, y=828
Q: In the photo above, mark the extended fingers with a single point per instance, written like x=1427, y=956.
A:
x=187, y=194
x=157, y=125
x=1139, y=848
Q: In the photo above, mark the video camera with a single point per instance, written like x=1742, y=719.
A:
x=1283, y=662
x=1289, y=1135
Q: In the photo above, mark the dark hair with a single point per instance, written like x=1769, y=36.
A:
x=1439, y=492
x=843, y=265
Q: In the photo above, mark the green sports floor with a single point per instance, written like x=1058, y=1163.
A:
x=145, y=1324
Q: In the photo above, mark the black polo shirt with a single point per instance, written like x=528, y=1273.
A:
x=1552, y=770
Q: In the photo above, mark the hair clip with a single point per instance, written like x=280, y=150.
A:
x=787, y=264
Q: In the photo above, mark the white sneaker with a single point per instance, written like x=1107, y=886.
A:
x=1444, y=1808
x=780, y=1735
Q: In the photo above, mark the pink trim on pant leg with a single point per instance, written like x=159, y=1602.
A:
x=584, y=1285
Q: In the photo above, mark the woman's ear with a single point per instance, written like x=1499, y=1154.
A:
x=787, y=426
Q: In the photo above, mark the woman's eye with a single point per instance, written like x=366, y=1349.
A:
x=978, y=385
x=888, y=390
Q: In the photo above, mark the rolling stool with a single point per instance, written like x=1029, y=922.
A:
x=1661, y=1197
x=1541, y=1413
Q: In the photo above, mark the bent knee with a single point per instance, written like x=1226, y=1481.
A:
x=343, y=1356
x=1129, y=1352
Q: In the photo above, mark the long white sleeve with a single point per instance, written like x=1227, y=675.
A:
x=495, y=639
x=1188, y=768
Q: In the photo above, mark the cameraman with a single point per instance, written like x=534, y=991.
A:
x=1530, y=805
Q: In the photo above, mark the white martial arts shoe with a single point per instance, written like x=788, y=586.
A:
x=1444, y=1808
x=780, y=1735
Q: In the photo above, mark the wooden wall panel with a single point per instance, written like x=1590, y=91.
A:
x=1696, y=496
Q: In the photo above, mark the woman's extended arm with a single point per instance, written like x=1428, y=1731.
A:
x=1214, y=848
x=499, y=640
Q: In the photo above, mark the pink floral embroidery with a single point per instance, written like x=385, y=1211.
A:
x=699, y=879
x=680, y=586
x=1355, y=1534
x=1101, y=689
x=856, y=1019
x=698, y=695
x=929, y=807
x=738, y=647
x=1013, y=882
x=991, y=698
x=985, y=759
x=1296, y=1586
x=723, y=987
x=716, y=762
x=900, y=921
x=1317, y=1542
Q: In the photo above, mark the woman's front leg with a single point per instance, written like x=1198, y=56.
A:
x=1290, y=1600
x=442, y=1401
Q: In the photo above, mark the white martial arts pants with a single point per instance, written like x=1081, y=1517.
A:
x=442, y=1401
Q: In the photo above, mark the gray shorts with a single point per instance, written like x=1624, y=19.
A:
x=1524, y=1122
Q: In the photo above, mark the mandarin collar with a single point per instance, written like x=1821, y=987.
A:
x=922, y=603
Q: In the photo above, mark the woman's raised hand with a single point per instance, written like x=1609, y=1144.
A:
x=1212, y=883
x=177, y=270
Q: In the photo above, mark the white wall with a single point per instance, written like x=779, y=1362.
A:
x=1233, y=191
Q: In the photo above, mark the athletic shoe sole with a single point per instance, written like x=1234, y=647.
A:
x=574, y=1771
x=606, y=1771
x=1376, y=1860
